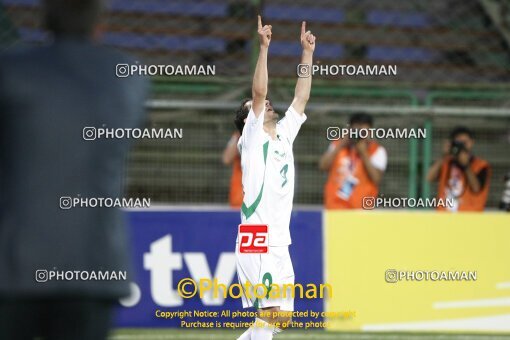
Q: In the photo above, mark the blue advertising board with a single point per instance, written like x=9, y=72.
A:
x=168, y=246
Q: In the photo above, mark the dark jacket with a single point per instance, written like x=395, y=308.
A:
x=47, y=96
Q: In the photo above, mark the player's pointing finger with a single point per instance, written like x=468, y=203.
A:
x=259, y=21
x=303, y=27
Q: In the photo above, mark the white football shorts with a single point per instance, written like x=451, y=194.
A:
x=273, y=267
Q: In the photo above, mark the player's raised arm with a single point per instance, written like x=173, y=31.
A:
x=304, y=84
x=259, y=87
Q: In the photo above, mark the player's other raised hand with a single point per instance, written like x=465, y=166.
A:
x=307, y=38
x=264, y=33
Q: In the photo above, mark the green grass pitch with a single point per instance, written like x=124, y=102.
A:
x=164, y=334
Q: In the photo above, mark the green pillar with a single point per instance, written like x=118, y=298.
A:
x=413, y=167
x=413, y=160
x=427, y=159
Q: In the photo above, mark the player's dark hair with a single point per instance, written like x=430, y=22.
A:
x=72, y=18
x=241, y=115
x=461, y=130
x=361, y=118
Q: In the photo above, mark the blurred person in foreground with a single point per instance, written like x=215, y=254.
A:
x=355, y=167
x=462, y=176
x=232, y=158
x=48, y=95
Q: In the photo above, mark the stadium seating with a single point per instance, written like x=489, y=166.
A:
x=415, y=37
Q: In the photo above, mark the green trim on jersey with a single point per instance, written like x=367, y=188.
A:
x=283, y=172
x=264, y=149
x=248, y=211
x=269, y=279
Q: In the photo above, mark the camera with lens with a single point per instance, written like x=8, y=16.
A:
x=355, y=135
x=356, y=138
x=456, y=147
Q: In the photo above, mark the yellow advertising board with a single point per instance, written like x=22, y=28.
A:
x=418, y=271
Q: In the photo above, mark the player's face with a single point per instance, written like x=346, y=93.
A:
x=270, y=113
x=269, y=106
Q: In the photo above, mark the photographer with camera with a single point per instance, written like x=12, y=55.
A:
x=355, y=166
x=462, y=176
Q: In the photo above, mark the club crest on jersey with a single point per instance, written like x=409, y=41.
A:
x=279, y=156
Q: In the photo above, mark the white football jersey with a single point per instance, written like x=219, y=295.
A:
x=268, y=174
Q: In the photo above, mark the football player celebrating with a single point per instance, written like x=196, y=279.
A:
x=267, y=163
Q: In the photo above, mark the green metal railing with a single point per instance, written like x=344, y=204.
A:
x=182, y=85
x=417, y=186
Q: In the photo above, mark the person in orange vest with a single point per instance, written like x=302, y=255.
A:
x=462, y=177
x=232, y=158
x=355, y=166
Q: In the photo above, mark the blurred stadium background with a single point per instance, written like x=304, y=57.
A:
x=453, y=60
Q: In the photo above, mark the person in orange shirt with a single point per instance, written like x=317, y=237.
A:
x=462, y=176
x=232, y=158
x=355, y=166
